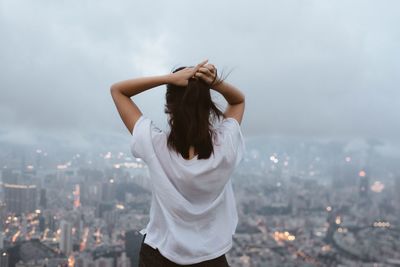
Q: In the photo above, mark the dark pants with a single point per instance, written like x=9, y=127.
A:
x=150, y=257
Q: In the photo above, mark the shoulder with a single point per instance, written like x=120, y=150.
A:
x=229, y=135
x=228, y=127
x=146, y=135
x=145, y=125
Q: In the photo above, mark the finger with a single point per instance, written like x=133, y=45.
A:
x=204, y=70
x=203, y=62
x=209, y=74
x=200, y=75
x=210, y=67
x=200, y=65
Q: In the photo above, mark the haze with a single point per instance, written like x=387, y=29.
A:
x=327, y=69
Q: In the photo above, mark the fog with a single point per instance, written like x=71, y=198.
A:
x=316, y=69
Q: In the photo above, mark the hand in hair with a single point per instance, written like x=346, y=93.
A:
x=207, y=73
x=181, y=78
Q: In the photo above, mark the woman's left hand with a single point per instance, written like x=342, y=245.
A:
x=181, y=78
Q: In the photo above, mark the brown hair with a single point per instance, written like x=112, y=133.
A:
x=192, y=113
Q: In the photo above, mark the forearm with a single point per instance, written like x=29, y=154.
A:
x=232, y=94
x=135, y=86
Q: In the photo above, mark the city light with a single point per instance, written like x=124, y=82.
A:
x=377, y=187
x=269, y=198
x=129, y=165
x=338, y=220
x=120, y=206
x=381, y=224
x=274, y=159
x=283, y=236
x=62, y=166
x=71, y=261
x=329, y=208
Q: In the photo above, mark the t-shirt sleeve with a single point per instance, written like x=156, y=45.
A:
x=141, y=144
x=234, y=138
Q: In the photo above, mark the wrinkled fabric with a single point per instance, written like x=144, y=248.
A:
x=193, y=211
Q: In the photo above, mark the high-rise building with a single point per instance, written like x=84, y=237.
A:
x=51, y=222
x=83, y=190
x=43, y=199
x=1, y=240
x=4, y=258
x=66, y=237
x=108, y=191
x=38, y=159
x=42, y=223
x=102, y=208
x=20, y=198
x=133, y=242
x=397, y=195
x=9, y=176
x=363, y=186
x=3, y=215
x=77, y=195
x=123, y=260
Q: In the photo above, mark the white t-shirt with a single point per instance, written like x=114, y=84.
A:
x=193, y=209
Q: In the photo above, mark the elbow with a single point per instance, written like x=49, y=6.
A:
x=242, y=100
x=116, y=90
x=113, y=89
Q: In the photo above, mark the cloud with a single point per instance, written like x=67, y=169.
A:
x=308, y=68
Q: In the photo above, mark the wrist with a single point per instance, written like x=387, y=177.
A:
x=217, y=86
x=167, y=78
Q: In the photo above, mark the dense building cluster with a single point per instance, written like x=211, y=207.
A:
x=299, y=204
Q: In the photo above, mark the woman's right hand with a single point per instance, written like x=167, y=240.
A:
x=181, y=78
x=208, y=73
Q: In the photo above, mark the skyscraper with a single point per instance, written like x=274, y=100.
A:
x=77, y=195
x=20, y=198
x=364, y=187
x=66, y=237
x=133, y=242
x=3, y=215
x=43, y=199
x=108, y=191
x=9, y=176
x=397, y=195
x=4, y=262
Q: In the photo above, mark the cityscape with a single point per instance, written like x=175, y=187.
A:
x=300, y=203
x=319, y=183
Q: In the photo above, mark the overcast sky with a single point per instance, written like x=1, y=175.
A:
x=308, y=68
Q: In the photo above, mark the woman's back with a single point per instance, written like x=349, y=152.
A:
x=193, y=211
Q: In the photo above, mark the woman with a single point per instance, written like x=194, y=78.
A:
x=193, y=211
